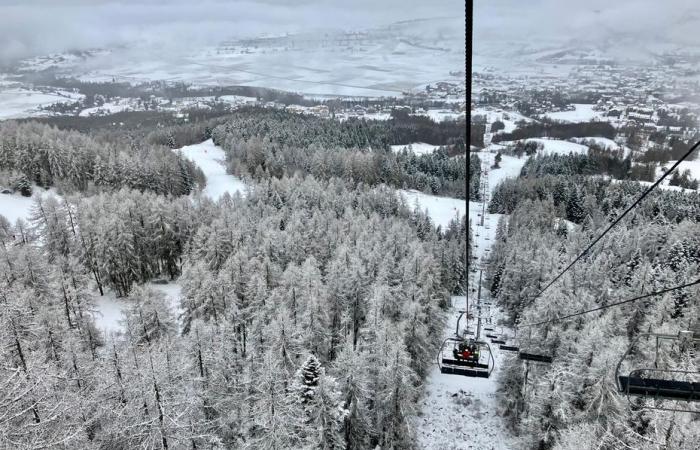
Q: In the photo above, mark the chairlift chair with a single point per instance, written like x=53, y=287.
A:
x=661, y=388
x=471, y=364
x=509, y=348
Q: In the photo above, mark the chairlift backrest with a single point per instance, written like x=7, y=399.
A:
x=656, y=386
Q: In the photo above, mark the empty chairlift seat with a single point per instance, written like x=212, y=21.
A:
x=535, y=357
x=662, y=387
x=658, y=388
x=509, y=348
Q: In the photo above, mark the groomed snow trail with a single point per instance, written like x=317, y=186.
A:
x=211, y=159
x=461, y=412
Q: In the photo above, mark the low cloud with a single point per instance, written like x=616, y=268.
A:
x=33, y=27
x=592, y=22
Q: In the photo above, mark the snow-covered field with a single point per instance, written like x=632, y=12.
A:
x=15, y=206
x=609, y=144
x=440, y=209
x=210, y=159
x=509, y=118
x=371, y=69
x=107, y=108
x=582, y=113
x=441, y=115
x=443, y=209
x=17, y=102
x=461, y=412
x=419, y=148
x=692, y=166
x=555, y=146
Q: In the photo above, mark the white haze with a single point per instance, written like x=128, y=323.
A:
x=636, y=24
x=36, y=27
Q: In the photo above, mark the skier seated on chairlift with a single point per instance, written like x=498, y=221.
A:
x=466, y=351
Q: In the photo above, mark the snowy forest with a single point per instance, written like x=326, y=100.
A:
x=310, y=307
x=311, y=304
x=572, y=403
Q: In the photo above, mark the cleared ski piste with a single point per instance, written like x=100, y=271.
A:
x=211, y=159
x=459, y=412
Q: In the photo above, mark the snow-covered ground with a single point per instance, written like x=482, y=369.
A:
x=419, y=148
x=108, y=312
x=441, y=115
x=440, y=209
x=211, y=158
x=692, y=166
x=384, y=67
x=109, y=308
x=551, y=146
x=443, y=209
x=461, y=412
x=510, y=166
x=17, y=102
x=509, y=118
x=582, y=113
x=555, y=146
x=609, y=144
x=107, y=108
x=15, y=206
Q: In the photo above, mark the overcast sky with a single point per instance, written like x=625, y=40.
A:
x=676, y=21
x=31, y=27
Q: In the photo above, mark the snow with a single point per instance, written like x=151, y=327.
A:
x=419, y=148
x=370, y=69
x=210, y=158
x=582, y=113
x=442, y=115
x=461, y=412
x=172, y=291
x=609, y=144
x=692, y=166
x=16, y=102
x=555, y=146
x=509, y=118
x=109, y=309
x=440, y=209
x=15, y=206
x=510, y=166
x=106, y=109
x=108, y=313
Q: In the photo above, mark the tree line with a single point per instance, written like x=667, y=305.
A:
x=272, y=143
x=32, y=153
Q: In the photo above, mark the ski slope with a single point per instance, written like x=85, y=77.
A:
x=440, y=209
x=211, y=159
x=461, y=412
